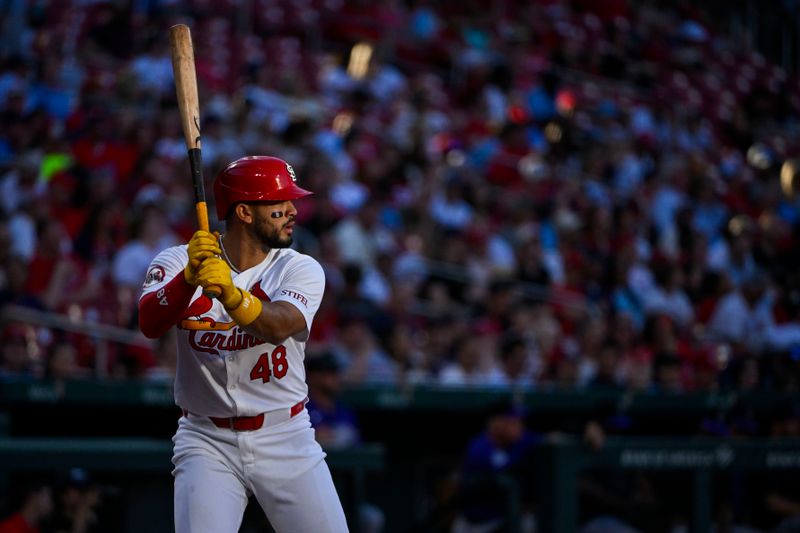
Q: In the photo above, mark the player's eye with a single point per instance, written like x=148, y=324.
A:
x=276, y=214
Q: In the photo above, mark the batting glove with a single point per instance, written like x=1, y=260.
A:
x=242, y=306
x=202, y=245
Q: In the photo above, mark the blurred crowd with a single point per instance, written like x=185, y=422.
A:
x=66, y=502
x=551, y=194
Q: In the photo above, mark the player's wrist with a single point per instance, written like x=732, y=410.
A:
x=231, y=297
x=246, y=309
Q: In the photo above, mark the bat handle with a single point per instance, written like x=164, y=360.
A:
x=212, y=291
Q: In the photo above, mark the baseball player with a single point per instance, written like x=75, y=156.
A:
x=240, y=378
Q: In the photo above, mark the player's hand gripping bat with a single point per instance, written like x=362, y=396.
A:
x=180, y=40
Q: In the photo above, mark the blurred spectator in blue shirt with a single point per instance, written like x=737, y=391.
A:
x=497, y=461
x=334, y=423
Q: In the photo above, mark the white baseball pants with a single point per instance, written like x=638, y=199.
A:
x=216, y=471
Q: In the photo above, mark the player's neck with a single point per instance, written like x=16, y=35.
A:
x=240, y=252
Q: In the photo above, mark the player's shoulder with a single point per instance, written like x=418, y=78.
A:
x=164, y=265
x=293, y=259
x=173, y=253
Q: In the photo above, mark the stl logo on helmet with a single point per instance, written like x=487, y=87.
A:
x=290, y=170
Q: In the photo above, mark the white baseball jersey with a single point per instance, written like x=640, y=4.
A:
x=224, y=371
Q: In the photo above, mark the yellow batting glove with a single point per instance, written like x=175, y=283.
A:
x=242, y=306
x=202, y=245
x=215, y=271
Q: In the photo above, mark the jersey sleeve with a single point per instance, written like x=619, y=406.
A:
x=166, y=265
x=302, y=286
x=165, y=294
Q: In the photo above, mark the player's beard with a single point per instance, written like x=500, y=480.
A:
x=269, y=235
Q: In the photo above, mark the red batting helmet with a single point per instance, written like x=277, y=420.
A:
x=253, y=179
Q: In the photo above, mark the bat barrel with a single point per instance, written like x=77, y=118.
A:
x=189, y=106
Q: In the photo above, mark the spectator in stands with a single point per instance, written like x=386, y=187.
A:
x=130, y=262
x=34, y=507
x=218, y=143
x=743, y=316
x=148, y=236
x=78, y=503
x=471, y=136
x=667, y=296
x=530, y=260
x=668, y=370
x=20, y=189
x=566, y=369
x=607, y=376
x=449, y=209
x=376, y=283
x=361, y=236
x=151, y=69
x=51, y=272
x=624, y=300
x=98, y=241
x=361, y=356
x=442, y=334
x=62, y=364
x=710, y=214
x=516, y=363
x=352, y=303
x=638, y=372
x=474, y=364
x=16, y=277
x=405, y=347
x=591, y=335
x=335, y=424
x=21, y=352
x=734, y=254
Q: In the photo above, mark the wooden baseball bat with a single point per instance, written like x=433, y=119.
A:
x=180, y=40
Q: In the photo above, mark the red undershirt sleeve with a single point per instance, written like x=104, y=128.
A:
x=160, y=310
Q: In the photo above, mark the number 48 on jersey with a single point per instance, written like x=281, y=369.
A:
x=269, y=365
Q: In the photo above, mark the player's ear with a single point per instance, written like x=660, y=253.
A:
x=244, y=213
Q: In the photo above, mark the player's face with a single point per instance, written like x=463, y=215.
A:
x=273, y=224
